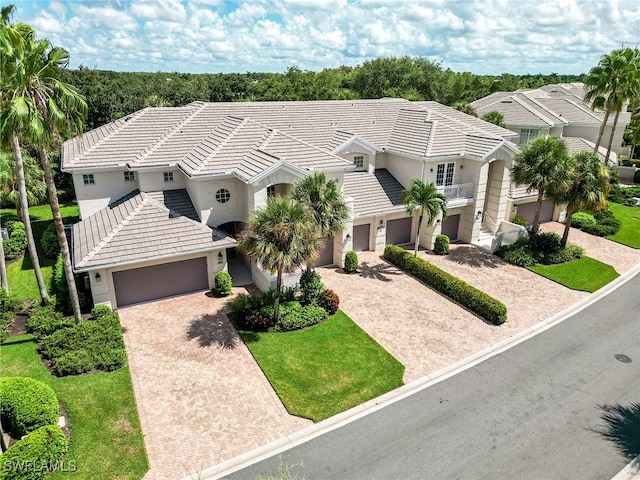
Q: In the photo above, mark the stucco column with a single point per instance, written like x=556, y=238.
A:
x=343, y=241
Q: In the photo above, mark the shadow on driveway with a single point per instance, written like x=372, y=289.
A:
x=213, y=329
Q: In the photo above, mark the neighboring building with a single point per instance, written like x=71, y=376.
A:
x=557, y=110
x=163, y=191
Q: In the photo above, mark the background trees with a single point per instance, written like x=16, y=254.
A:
x=427, y=200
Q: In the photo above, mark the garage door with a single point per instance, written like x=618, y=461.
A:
x=399, y=231
x=450, y=227
x=528, y=210
x=326, y=256
x=159, y=281
x=361, y=235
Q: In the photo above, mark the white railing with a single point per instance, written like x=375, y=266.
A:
x=455, y=192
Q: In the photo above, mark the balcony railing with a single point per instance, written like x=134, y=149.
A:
x=457, y=192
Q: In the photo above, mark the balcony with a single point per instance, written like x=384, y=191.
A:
x=460, y=194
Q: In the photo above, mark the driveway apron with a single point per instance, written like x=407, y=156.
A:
x=201, y=396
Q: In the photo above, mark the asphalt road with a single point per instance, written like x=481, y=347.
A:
x=531, y=412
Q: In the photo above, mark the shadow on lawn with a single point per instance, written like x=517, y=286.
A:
x=621, y=426
x=213, y=329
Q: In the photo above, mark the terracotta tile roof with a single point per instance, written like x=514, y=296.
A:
x=372, y=194
x=143, y=226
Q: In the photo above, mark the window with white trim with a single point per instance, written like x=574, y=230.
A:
x=358, y=161
x=223, y=195
x=168, y=177
x=88, y=179
x=444, y=174
x=271, y=191
x=129, y=176
x=526, y=134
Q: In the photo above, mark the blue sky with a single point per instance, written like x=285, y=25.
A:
x=196, y=36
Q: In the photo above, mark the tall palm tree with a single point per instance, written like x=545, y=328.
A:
x=588, y=187
x=541, y=163
x=45, y=106
x=15, y=41
x=322, y=197
x=34, y=179
x=610, y=85
x=280, y=237
x=425, y=198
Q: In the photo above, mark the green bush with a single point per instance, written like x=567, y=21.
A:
x=329, y=301
x=49, y=242
x=73, y=362
x=351, y=262
x=17, y=241
x=543, y=244
x=441, y=246
x=580, y=219
x=571, y=252
x=299, y=318
x=45, y=320
x=27, y=404
x=6, y=320
x=519, y=220
x=475, y=300
x=519, y=255
x=255, y=311
x=36, y=455
x=100, y=311
x=222, y=284
x=310, y=286
x=110, y=360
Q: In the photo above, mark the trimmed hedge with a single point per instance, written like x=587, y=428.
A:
x=43, y=321
x=580, y=219
x=17, y=241
x=475, y=300
x=100, y=311
x=310, y=286
x=36, y=455
x=222, y=284
x=441, y=246
x=27, y=404
x=298, y=317
x=351, y=262
x=49, y=242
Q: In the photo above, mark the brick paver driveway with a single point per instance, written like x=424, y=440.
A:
x=201, y=397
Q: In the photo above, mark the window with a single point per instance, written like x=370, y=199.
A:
x=129, y=176
x=88, y=179
x=271, y=191
x=358, y=161
x=223, y=195
x=168, y=177
x=527, y=134
x=444, y=174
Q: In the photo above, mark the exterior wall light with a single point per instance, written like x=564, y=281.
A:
x=348, y=236
x=220, y=257
x=98, y=278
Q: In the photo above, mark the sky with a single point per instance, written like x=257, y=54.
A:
x=212, y=36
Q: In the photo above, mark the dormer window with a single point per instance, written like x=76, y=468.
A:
x=358, y=161
x=168, y=177
x=129, y=176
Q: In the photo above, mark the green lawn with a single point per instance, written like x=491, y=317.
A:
x=326, y=369
x=22, y=279
x=586, y=274
x=106, y=438
x=629, y=233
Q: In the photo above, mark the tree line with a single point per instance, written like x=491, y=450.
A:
x=111, y=95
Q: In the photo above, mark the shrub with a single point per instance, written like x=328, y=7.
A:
x=36, y=455
x=73, y=362
x=6, y=320
x=567, y=254
x=310, y=286
x=100, y=311
x=329, y=301
x=475, y=300
x=299, y=318
x=543, y=244
x=520, y=256
x=636, y=176
x=441, y=246
x=255, y=311
x=27, y=404
x=580, y=219
x=17, y=241
x=110, y=360
x=222, y=284
x=43, y=321
x=351, y=262
x=519, y=220
x=49, y=242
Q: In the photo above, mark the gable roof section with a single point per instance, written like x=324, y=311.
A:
x=140, y=227
x=373, y=194
x=579, y=144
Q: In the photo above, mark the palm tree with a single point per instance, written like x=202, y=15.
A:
x=280, y=237
x=588, y=187
x=465, y=107
x=9, y=188
x=610, y=85
x=541, y=163
x=495, y=117
x=44, y=106
x=426, y=198
x=323, y=199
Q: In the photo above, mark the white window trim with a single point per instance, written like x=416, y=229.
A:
x=358, y=161
x=88, y=179
x=129, y=176
x=168, y=177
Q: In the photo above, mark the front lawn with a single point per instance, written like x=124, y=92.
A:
x=586, y=274
x=629, y=233
x=106, y=438
x=326, y=369
x=22, y=279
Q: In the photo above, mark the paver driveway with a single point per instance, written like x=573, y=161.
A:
x=201, y=397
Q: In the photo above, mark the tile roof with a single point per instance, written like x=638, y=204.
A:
x=143, y=226
x=372, y=194
x=578, y=144
x=240, y=138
